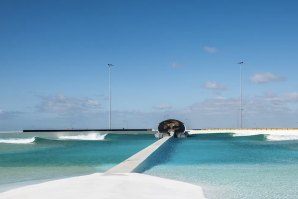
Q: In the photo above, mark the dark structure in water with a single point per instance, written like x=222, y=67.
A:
x=171, y=127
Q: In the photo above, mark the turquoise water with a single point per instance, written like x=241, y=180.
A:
x=28, y=157
x=230, y=167
x=223, y=165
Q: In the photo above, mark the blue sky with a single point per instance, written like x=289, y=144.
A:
x=173, y=59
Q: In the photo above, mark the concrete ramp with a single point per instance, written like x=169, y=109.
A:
x=129, y=165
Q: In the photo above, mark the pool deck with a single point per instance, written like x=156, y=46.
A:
x=129, y=165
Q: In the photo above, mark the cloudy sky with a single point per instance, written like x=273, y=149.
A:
x=173, y=59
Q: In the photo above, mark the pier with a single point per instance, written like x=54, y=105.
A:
x=129, y=165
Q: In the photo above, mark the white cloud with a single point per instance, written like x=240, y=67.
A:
x=215, y=106
x=8, y=114
x=212, y=85
x=291, y=97
x=62, y=104
x=210, y=49
x=176, y=65
x=163, y=107
x=261, y=78
x=285, y=98
x=267, y=104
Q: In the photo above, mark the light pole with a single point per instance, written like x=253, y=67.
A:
x=110, y=97
x=241, y=96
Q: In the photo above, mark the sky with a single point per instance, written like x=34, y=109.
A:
x=172, y=59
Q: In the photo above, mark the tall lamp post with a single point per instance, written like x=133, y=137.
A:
x=241, y=96
x=110, y=97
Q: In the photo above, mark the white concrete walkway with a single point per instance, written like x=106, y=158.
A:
x=130, y=164
x=108, y=186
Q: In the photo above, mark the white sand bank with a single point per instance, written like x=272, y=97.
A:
x=108, y=186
